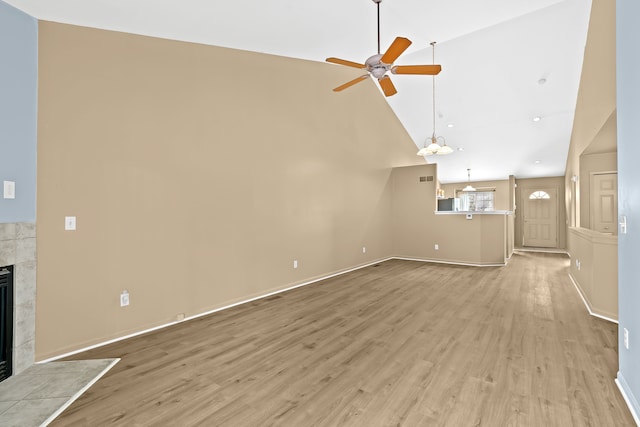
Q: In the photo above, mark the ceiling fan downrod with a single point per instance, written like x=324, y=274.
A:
x=377, y=2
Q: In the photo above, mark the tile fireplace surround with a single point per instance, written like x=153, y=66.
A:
x=18, y=248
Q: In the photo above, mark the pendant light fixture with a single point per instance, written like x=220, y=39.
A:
x=469, y=187
x=433, y=147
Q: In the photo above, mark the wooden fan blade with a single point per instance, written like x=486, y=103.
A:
x=387, y=86
x=399, y=45
x=350, y=83
x=345, y=62
x=431, y=70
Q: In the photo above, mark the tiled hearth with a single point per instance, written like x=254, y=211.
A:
x=18, y=248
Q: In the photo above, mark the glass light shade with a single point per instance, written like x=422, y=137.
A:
x=423, y=152
x=468, y=188
x=428, y=150
x=445, y=149
x=433, y=148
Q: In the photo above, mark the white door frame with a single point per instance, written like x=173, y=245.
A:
x=525, y=192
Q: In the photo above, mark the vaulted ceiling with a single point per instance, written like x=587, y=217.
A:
x=504, y=62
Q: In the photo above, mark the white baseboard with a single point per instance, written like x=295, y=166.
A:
x=205, y=313
x=447, y=262
x=586, y=303
x=630, y=400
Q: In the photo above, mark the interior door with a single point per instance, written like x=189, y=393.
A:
x=604, y=203
x=540, y=218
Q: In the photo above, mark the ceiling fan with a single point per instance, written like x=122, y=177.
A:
x=378, y=65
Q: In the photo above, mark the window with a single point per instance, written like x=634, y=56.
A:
x=476, y=200
x=539, y=195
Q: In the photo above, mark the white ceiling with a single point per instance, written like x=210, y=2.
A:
x=493, y=53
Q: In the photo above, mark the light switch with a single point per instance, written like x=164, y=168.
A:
x=9, y=190
x=69, y=222
x=623, y=224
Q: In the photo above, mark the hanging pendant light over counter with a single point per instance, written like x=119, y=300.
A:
x=469, y=187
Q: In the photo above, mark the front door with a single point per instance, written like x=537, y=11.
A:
x=604, y=203
x=541, y=218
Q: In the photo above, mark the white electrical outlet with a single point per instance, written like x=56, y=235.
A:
x=69, y=222
x=625, y=334
x=124, y=299
x=295, y=263
x=364, y=250
x=436, y=247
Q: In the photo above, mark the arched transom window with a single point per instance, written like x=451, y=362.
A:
x=539, y=195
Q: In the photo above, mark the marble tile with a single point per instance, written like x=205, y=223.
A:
x=38, y=394
x=24, y=323
x=23, y=356
x=73, y=366
x=7, y=252
x=60, y=385
x=24, y=278
x=6, y=405
x=25, y=250
x=28, y=413
x=25, y=230
x=7, y=232
x=18, y=387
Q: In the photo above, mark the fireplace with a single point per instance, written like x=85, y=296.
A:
x=18, y=250
x=6, y=322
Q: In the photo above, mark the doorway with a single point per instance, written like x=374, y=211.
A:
x=540, y=218
x=604, y=202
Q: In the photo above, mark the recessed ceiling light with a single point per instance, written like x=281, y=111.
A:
x=537, y=118
x=450, y=125
x=542, y=81
x=460, y=149
x=537, y=162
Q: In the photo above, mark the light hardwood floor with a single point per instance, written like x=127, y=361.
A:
x=402, y=343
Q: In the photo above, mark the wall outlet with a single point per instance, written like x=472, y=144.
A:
x=364, y=250
x=295, y=263
x=69, y=222
x=436, y=247
x=124, y=299
x=578, y=264
x=179, y=317
x=625, y=335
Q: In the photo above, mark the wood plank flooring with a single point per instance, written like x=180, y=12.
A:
x=402, y=343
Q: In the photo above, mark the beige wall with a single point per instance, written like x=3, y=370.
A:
x=597, y=276
x=501, y=196
x=416, y=228
x=593, y=148
x=197, y=175
x=596, y=103
x=523, y=189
